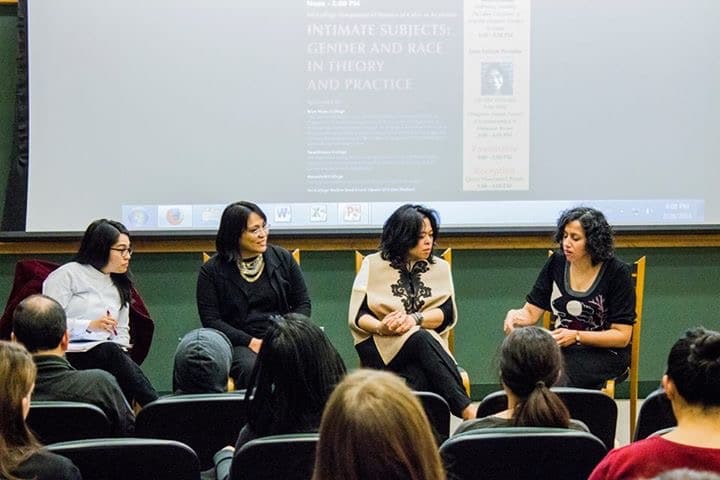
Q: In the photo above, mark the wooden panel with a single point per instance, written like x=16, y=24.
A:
x=464, y=242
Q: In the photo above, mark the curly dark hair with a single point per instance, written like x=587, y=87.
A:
x=402, y=230
x=598, y=232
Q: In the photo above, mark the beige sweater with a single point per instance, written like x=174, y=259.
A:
x=375, y=281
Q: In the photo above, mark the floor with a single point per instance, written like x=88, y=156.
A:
x=622, y=434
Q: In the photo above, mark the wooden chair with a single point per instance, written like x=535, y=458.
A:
x=638, y=276
x=295, y=253
x=447, y=256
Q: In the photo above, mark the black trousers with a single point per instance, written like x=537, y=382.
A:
x=243, y=362
x=110, y=357
x=425, y=366
x=590, y=367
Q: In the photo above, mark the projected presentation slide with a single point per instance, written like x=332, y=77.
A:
x=331, y=113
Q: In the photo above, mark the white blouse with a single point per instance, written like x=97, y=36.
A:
x=87, y=294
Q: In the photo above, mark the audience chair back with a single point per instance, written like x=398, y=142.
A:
x=632, y=372
x=519, y=453
x=286, y=457
x=438, y=413
x=592, y=407
x=447, y=256
x=55, y=421
x=206, y=422
x=655, y=414
x=130, y=459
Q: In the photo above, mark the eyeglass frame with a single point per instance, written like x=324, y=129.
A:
x=256, y=233
x=123, y=251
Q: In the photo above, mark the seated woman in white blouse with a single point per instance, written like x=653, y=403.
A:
x=94, y=290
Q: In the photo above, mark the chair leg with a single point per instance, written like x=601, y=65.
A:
x=466, y=381
x=609, y=388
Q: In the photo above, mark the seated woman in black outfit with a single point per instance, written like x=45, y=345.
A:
x=295, y=373
x=20, y=453
x=402, y=308
x=591, y=296
x=246, y=284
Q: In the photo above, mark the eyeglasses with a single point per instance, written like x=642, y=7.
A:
x=124, y=252
x=255, y=232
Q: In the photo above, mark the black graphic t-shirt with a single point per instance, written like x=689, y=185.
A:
x=610, y=299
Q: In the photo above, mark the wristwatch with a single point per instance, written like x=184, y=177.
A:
x=418, y=316
x=577, y=337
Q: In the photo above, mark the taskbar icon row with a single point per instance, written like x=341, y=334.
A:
x=207, y=217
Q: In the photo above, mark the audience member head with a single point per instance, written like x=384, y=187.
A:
x=106, y=246
x=598, y=233
x=235, y=227
x=295, y=372
x=403, y=232
x=530, y=363
x=39, y=323
x=202, y=362
x=17, y=378
x=375, y=427
x=693, y=371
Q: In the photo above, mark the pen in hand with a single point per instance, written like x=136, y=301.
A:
x=114, y=331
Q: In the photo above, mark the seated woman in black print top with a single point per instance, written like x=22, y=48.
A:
x=591, y=296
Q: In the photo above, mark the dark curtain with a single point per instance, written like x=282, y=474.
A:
x=16, y=191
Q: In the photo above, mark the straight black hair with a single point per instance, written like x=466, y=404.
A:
x=232, y=224
x=530, y=363
x=94, y=250
x=295, y=373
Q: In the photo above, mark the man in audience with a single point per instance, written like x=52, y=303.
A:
x=40, y=324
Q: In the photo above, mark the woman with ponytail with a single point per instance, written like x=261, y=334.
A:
x=692, y=383
x=530, y=363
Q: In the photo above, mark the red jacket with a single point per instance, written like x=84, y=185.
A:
x=29, y=278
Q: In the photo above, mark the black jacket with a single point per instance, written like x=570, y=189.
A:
x=58, y=380
x=43, y=465
x=221, y=297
